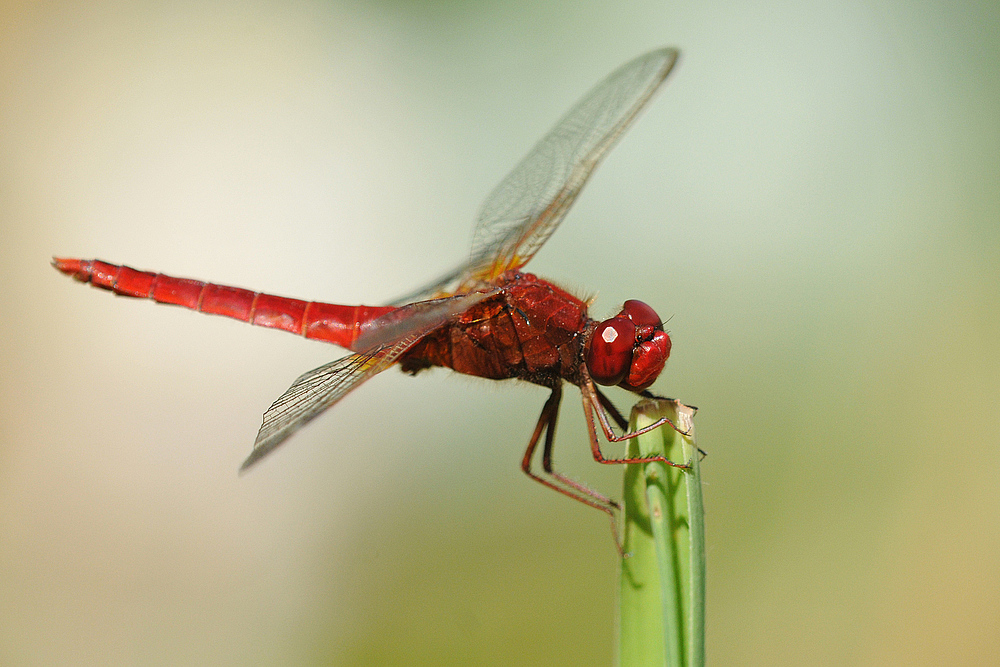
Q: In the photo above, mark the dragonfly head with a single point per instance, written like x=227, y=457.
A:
x=630, y=349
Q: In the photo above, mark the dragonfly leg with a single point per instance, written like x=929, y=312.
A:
x=645, y=393
x=612, y=410
x=576, y=491
x=623, y=423
x=591, y=404
x=568, y=481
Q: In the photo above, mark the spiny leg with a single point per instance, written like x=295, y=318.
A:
x=623, y=424
x=550, y=435
x=589, y=497
x=645, y=393
x=546, y=422
x=592, y=402
x=612, y=410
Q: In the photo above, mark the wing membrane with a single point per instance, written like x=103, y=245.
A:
x=322, y=387
x=527, y=206
x=314, y=392
x=416, y=318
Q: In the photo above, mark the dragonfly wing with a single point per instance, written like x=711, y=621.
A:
x=384, y=341
x=417, y=319
x=314, y=392
x=441, y=286
x=527, y=206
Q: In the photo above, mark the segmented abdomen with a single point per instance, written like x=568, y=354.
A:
x=328, y=322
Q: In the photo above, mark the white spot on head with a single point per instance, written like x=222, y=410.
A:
x=609, y=335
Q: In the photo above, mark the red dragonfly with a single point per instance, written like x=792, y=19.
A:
x=485, y=318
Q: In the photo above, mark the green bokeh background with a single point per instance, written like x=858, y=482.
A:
x=813, y=200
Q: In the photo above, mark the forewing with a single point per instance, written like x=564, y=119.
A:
x=527, y=206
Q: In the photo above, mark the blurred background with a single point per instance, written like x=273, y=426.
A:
x=812, y=200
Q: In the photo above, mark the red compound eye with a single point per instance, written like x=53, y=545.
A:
x=610, y=353
x=641, y=314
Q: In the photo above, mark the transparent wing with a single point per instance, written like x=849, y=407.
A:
x=384, y=341
x=314, y=392
x=527, y=206
x=416, y=319
x=446, y=284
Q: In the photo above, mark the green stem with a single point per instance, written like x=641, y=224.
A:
x=662, y=599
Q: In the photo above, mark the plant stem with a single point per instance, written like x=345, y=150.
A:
x=662, y=598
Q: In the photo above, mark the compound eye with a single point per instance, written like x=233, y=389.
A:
x=641, y=314
x=610, y=354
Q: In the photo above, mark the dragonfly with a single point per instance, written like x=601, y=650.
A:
x=485, y=318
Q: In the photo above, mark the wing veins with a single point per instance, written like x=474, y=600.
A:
x=526, y=207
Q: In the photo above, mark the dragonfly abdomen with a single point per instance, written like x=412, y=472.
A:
x=327, y=322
